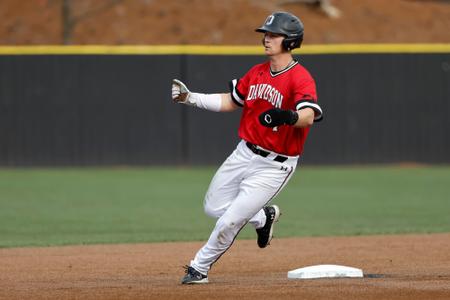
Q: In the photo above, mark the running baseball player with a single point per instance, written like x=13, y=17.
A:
x=279, y=103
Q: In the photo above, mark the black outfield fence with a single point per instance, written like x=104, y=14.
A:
x=59, y=109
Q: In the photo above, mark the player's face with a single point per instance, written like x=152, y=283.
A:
x=273, y=43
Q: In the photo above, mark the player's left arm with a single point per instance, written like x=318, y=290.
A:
x=305, y=117
x=306, y=110
x=276, y=117
x=305, y=114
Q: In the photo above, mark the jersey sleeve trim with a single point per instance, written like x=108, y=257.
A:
x=236, y=96
x=311, y=104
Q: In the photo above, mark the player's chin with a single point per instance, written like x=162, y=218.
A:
x=268, y=51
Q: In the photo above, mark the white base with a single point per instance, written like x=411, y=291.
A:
x=325, y=271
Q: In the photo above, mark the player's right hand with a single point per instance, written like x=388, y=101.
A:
x=180, y=92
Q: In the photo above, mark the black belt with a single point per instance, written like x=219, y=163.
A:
x=264, y=153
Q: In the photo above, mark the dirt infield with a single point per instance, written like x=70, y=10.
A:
x=401, y=267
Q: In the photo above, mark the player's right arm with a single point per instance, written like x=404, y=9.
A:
x=227, y=103
x=213, y=102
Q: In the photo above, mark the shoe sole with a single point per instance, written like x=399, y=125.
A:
x=277, y=216
x=204, y=280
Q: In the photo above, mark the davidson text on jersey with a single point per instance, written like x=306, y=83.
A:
x=266, y=92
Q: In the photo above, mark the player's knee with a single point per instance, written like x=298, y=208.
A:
x=210, y=209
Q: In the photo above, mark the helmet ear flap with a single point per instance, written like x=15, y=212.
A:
x=292, y=43
x=288, y=44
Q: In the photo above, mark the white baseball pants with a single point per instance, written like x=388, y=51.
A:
x=241, y=187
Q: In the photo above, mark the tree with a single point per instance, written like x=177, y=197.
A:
x=70, y=19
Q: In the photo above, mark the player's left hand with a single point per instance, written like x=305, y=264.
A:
x=275, y=117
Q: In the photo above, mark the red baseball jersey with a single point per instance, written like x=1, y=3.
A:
x=261, y=89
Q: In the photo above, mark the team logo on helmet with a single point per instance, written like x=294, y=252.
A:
x=270, y=19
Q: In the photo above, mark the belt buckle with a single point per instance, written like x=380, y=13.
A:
x=252, y=147
x=259, y=151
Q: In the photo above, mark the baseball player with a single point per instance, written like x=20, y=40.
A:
x=279, y=103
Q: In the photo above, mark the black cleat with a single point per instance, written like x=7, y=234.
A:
x=265, y=233
x=193, y=276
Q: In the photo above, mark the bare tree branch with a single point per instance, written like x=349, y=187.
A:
x=89, y=13
x=69, y=21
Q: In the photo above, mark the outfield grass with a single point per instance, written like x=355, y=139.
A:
x=120, y=205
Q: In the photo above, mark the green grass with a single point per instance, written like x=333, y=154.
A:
x=41, y=207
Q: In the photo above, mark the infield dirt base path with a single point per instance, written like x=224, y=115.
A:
x=412, y=267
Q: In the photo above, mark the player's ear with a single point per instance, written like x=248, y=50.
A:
x=262, y=40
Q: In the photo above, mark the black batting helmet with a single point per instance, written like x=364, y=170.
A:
x=286, y=24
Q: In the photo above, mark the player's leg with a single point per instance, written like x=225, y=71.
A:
x=287, y=169
x=222, y=191
x=265, y=219
x=256, y=190
x=224, y=186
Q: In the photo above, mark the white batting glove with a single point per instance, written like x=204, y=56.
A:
x=180, y=93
